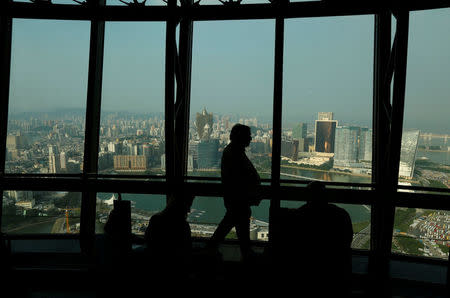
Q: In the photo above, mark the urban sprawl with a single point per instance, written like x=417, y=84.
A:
x=53, y=143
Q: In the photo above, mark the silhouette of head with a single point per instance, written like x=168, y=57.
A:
x=179, y=203
x=241, y=135
x=316, y=190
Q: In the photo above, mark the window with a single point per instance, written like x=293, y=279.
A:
x=49, y=67
x=132, y=120
x=421, y=232
x=41, y=212
x=327, y=99
x=232, y=82
x=207, y=212
x=425, y=156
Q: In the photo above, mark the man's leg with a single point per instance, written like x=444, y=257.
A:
x=222, y=230
x=242, y=223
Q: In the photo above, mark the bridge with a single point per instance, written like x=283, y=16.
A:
x=433, y=136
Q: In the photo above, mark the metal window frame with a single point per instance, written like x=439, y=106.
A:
x=387, y=130
x=92, y=135
x=5, y=73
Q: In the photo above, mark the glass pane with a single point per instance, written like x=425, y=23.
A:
x=207, y=212
x=327, y=99
x=232, y=82
x=360, y=216
x=47, y=106
x=425, y=156
x=41, y=212
x=143, y=206
x=132, y=116
x=421, y=232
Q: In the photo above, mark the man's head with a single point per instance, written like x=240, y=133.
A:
x=316, y=192
x=241, y=134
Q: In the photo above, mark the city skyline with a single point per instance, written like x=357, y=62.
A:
x=231, y=72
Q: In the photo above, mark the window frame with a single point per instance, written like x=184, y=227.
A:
x=386, y=132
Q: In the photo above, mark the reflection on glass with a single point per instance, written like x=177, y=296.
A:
x=39, y=212
x=327, y=99
x=132, y=116
x=421, y=232
x=48, y=96
x=232, y=82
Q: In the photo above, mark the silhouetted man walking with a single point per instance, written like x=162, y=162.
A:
x=241, y=187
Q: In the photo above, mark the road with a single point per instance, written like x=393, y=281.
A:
x=361, y=238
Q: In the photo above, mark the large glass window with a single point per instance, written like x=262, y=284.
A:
x=327, y=99
x=207, y=212
x=232, y=82
x=41, y=212
x=132, y=117
x=421, y=232
x=47, y=105
x=425, y=155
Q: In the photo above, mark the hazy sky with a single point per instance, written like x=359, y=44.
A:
x=328, y=67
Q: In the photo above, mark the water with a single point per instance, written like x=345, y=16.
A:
x=442, y=158
x=210, y=210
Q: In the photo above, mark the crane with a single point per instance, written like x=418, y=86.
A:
x=67, y=218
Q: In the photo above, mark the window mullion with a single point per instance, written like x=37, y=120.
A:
x=91, y=143
x=380, y=136
x=183, y=94
x=169, y=99
x=5, y=72
x=277, y=116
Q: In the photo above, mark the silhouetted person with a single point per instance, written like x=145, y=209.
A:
x=168, y=239
x=241, y=184
x=315, y=240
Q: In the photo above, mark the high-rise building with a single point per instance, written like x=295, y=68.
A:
x=204, y=124
x=365, y=144
x=208, y=154
x=325, y=116
x=346, y=146
x=289, y=149
x=190, y=163
x=300, y=133
x=410, y=140
x=62, y=160
x=130, y=163
x=325, y=129
x=20, y=195
x=14, y=142
x=54, y=161
x=193, y=150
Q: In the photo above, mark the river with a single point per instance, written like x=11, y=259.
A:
x=211, y=209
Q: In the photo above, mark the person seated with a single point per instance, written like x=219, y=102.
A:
x=316, y=240
x=168, y=236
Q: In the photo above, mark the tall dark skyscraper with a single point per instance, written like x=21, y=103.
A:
x=325, y=132
x=208, y=154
